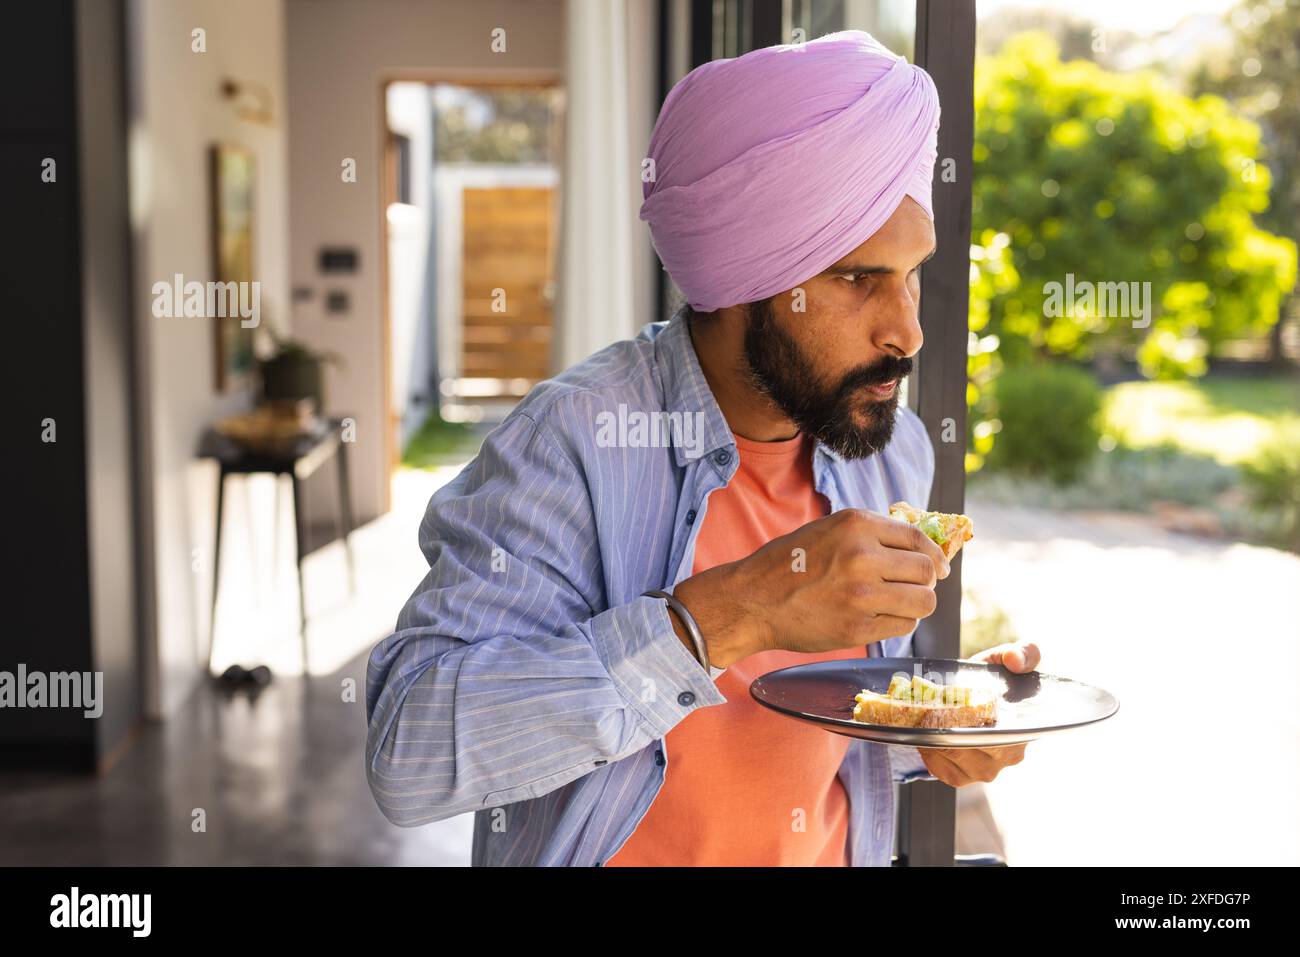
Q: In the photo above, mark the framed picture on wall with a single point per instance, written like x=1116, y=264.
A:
x=232, y=179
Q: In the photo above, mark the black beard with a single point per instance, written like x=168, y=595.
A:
x=778, y=369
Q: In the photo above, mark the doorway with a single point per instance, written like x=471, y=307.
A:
x=471, y=193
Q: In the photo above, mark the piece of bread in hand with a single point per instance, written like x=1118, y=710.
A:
x=923, y=704
x=947, y=531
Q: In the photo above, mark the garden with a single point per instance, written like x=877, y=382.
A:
x=1088, y=179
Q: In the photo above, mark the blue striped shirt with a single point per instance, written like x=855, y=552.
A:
x=527, y=680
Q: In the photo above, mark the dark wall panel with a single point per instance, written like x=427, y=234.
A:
x=50, y=624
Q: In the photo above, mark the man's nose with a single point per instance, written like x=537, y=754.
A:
x=898, y=323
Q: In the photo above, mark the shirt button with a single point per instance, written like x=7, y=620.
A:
x=723, y=457
x=690, y=517
x=659, y=757
x=686, y=699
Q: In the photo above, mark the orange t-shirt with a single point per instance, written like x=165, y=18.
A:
x=745, y=786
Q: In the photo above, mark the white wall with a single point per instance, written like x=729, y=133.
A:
x=411, y=287
x=176, y=114
x=594, y=295
x=340, y=54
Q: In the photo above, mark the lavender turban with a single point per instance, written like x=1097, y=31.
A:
x=770, y=167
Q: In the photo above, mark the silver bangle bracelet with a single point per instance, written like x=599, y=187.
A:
x=688, y=621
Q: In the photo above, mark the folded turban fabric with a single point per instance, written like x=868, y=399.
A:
x=770, y=167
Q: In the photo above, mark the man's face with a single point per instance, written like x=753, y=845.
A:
x=835, y=368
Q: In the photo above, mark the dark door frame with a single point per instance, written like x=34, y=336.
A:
x=945, y=47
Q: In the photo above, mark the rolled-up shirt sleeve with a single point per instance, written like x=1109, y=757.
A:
x=507, y=677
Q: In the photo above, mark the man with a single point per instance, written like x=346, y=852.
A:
x=530, y=678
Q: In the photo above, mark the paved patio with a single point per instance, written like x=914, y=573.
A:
x=1115, y=601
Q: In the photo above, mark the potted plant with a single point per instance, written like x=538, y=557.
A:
x=293, y=373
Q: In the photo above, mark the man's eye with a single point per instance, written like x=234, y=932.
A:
x=853, y=278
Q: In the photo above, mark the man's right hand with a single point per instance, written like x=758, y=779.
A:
x=845, y=580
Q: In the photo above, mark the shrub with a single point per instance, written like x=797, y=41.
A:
x=1273, y=483
x=1048, y=416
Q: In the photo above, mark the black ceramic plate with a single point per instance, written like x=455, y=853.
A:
x=1029, y=705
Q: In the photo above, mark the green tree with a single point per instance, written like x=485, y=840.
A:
x=495, y=125
x=1260, y=75
x=1114, y=178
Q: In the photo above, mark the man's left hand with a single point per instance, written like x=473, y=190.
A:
x=958, y=767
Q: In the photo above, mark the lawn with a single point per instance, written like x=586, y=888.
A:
x=440, y=443
x=1227, y=447
x=1229, y=418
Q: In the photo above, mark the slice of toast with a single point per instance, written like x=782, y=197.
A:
x=922, y=704
x=877, y=709
x=946, y=530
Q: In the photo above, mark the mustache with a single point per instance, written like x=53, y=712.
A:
x=885, y=369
